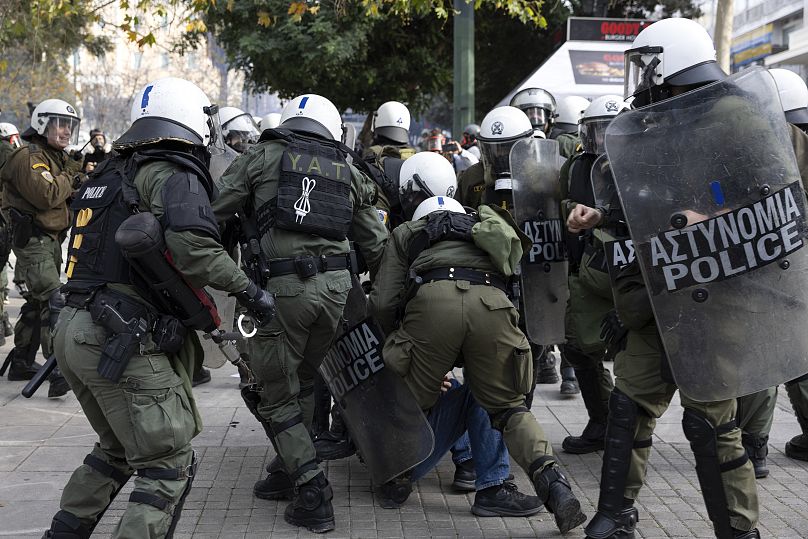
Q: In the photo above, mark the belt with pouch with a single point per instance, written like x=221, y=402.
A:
x=473, y=276
x=309, y=266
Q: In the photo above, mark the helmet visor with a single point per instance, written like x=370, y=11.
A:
x=244, y=126
x=64, y=130
x=592, y=133
x=539, y=117
x=641, y=68
x=496, y=156
x=216, y=142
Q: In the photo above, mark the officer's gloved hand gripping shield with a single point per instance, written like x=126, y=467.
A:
x=713, y=199
x=535, y=169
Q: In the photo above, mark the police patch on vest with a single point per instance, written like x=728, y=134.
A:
x=729, y=244
x=548, y=239
x=354, y=359
x=314, y=191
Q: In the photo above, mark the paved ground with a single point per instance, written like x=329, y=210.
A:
x=42, y=441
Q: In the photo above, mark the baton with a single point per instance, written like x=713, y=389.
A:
x=39, y=378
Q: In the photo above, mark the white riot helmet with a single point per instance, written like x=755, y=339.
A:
x=597, y=116
x=670, y=52
x=55, y=114
x=425, y=174
x=570, y=109
x=313, y=114
x=501, y=128
x=793, y=95
x=173, y=110
x=392, y=121
x=11, y=133
x=539, y=106
x=433, y=204
x=270, y=121
x=238, y=128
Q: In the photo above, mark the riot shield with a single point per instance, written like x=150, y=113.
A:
x=349, y=136
x=613, y=233
x=220, y=161
x=537, y=211
x=226, y=305
x=383, y=417
x=711, y=191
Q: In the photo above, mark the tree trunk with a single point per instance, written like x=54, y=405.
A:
x=724, y=15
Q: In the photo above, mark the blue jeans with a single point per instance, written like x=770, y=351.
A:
x=455, y=413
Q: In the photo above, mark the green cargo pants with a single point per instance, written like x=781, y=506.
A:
x=38, y=266
x=638, y=374
x=285, y=355
x=447, y=319
x=756, y=412
x=144, y=422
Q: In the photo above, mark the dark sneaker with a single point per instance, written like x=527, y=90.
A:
x=797, y=447
x=740, y=534
x=58, y=387
x=311, y=508
x=334, y=445
x=277, y=486
x=569, y=383
x=393, y=494
x=504, y=500
x=590, y=440
x=465, y=476
x=201, y=377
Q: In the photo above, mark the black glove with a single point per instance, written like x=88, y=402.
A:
x=259, y=302
x=613, y=333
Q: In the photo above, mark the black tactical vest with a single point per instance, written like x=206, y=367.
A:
x=580, y=190
x=100, y=206
x=314, y=189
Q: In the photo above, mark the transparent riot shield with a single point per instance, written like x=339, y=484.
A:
x=613, y=232
x=384, y=419
x=537, y=210
x=349, y=136
x=712, y=195
x=226, y=305
x=219, y=162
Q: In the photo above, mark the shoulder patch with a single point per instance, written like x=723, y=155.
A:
x=47, y=175
x=40, y=165
x=479, y=188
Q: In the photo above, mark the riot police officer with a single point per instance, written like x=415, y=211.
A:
x=9, y=141
x=38, y=180
x=305, y=197
x=455, y=283
x=643, y=388
x=565, y=125
x=239, y=130
x=129, y=358
x=590, y=289
x=540, y=107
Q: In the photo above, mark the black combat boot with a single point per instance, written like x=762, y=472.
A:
x=277, y=486
x=569, y=383
x=19, y=369
x=465, y=476
x=544, y=365
x=58, y=385
x=620, y=525
x=311, y=508
x=504, y=500
x=393, y=494
x=66, y=525
x=8, y=329
x=757, y=448
x=202, y=376
x=556, y=494
x=590, y=440
x=797, y=447
x=335, y=443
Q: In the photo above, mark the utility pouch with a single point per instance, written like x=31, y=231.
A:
x=522, y=371
x=305, y=267
x=22, y=226
x=168, y=334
